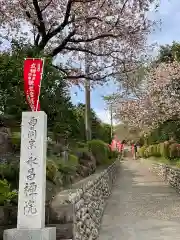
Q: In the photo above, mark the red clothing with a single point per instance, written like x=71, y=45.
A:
x=114, y=144
x=132, y=148
x=118, y=146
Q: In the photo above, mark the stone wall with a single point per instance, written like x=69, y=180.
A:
x=169, y=174
x=76, y=213
x=85, y=205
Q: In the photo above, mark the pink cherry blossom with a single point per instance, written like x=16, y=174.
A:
x=160, y=100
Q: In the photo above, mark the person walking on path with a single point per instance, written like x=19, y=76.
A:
x=132, y=149
x=122, y=147
x=135, y=151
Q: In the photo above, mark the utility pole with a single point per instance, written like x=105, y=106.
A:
x=87, y=86
x=87, y=100
x=111, y=112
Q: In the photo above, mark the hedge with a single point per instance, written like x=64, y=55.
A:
x=168, y=150
x=101, y=152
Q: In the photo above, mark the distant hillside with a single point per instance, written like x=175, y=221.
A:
x=124, y=132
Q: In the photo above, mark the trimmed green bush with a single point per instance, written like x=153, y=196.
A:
x=66, y=168
x=99, y=150
x=141, y=152
x=68, y=172
x=73, y=159
x=167, y=150
x=153, y=150
x=112, y=154
x=164, y=149
x=158, y=153
x=51, y=171
x=174, y=151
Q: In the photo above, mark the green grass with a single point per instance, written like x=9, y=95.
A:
x=178, y=164
x=174, y=162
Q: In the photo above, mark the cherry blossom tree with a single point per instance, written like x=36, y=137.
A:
x=159, y=102
x=115, y=32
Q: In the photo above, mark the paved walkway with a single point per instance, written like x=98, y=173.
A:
x=141, y=207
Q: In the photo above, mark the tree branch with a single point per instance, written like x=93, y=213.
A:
x=78, y=49
x=51, y=34
x=123, y=6
x=79, y=40
x=42, y=29
x=36, y=40
x=46, y=5
x=83, y=76
x=63, y=44
x=65, y=21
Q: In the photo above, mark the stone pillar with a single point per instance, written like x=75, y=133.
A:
x=32, y=181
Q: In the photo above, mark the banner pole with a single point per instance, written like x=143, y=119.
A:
x=43, y=59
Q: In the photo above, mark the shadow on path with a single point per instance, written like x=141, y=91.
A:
x=141, y=207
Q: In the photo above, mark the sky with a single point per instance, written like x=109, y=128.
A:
x=166, y=32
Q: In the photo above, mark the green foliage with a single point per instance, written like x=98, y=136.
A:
x=51, y=171
x=67, y=168
x=102, y=152
x=16, y=140
x=99, y=130
x=164, y=149
x=156, y=150
x=167, y=150
x=174, y=151
x=165, y=131
x=81, y=145
x=141, y=152
x=10, y=172
x=64, y=119
x=177, y=163
x=112, y=154
x=73, y=159
x=68, y=171
x=148, y=151
x=6, y=195
x=54, y=98
x=99, y=150
x=169, y=53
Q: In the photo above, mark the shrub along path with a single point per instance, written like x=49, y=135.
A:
x=141, y=207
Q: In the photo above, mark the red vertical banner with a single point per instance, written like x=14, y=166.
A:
x=33, y=71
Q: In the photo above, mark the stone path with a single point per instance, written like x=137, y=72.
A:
x=141, y=207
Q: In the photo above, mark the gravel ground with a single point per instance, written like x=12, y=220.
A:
x=141, y=207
